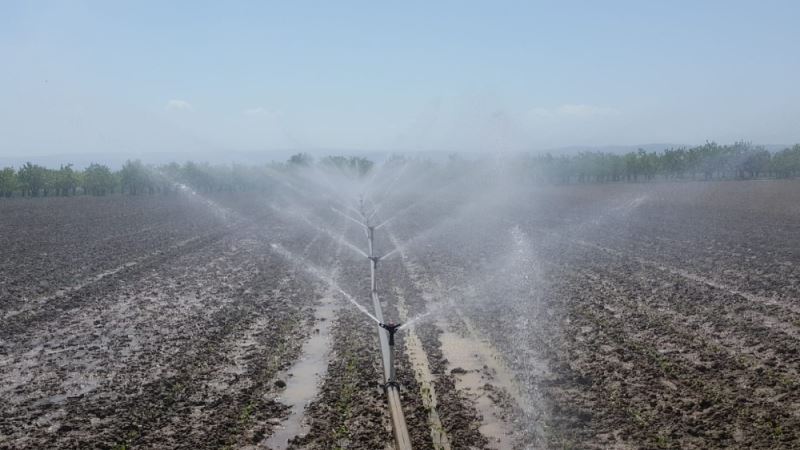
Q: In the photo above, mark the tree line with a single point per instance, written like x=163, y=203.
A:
x=711, y=161
x=136, y=178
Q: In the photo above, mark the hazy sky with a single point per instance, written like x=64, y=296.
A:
x=138, y=76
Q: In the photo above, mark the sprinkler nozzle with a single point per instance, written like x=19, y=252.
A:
x=374, y=259
x=392, y=329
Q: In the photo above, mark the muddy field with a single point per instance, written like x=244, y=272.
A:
x=612, y=316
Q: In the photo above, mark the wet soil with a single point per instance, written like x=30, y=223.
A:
x=656, y=316
x=620, y=316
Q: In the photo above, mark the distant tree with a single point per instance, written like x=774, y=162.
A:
x=632, y=166
x=79, y=177
x=352, y=166
x=8, y=182
x=397, y=160
x=198, y=176
x=740, y=160
x=673, y=163
x=170, y=176
x=32, y=179
x=98, y=180
x=301, y=159
x=786, y=163
x=50, y=180
x=756, y=162
x=65, y=180
x=339, y=162
x=243, y=177
x=710, y=160
x=133, y=177
x=361, y=165
x=650, y=164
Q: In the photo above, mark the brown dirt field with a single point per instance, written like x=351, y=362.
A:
x=606, y=316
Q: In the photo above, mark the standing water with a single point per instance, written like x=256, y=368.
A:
x=304, y=377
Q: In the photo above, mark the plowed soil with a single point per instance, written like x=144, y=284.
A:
x=612, y=316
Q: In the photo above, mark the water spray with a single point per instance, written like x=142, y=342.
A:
x=308, y=267
x=347, y=216
x=391, y=387
x=386, y=330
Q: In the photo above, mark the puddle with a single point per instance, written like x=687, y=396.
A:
x=486, y=378
x=422, y=373
x=479, y=368
x=304, y=377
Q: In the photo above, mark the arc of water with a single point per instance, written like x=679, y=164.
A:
x=384, y=194
x=372, y=177
x=326, y=185
x=321, y=189
x=220, y=211
x=426, y=233
x=419, y=202
x=430, y=312
x=374, y=211
x=347, y=216
x=389, y=255
x=404, y=210
x=280, y=178
x=411, y=322
x=337, y=237
x=395, y=180
x=354, y=210
x=320, y=274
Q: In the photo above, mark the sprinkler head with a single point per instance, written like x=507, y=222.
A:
x=392, y=329
x=374, y=259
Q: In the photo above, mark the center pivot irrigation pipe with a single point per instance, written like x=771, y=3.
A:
x=386, y=332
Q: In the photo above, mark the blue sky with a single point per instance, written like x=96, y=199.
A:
x=493, y=76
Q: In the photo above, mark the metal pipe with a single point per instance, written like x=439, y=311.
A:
x=392, y=329
x=371, y=239
x=361, y=207
x=386, y=337
x=373, y=266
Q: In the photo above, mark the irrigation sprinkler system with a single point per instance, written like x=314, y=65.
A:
x=386, y=334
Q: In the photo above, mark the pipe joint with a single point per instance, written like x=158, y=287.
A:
x=392, y=329
x=391, y=384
